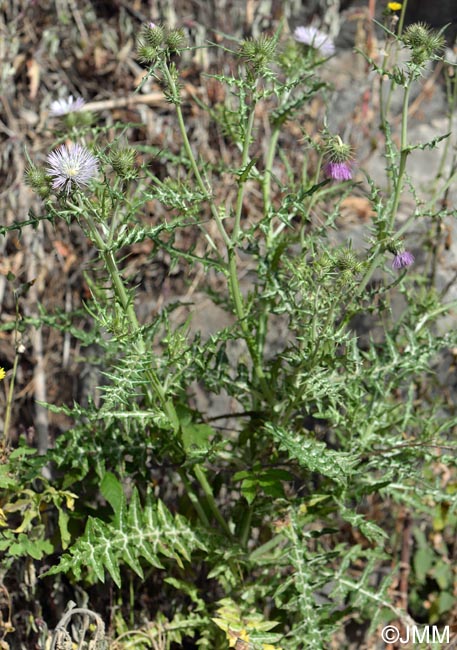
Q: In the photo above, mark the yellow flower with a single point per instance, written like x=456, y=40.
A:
x=2, y=373
x=394, y=6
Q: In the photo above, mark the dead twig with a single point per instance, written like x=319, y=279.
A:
x=152, y=99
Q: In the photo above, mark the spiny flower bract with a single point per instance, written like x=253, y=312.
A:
x=338, y=155
x=122, y=160
x=313, y=37
x=38, y=180
x=175, y=40
x=424, y=42
x=153, y=35
x=66, y=105
x=258, y=52
x=71, y=165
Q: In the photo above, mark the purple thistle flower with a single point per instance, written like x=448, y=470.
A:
x=152, y=25
x=338, y=171
x=313, y=37
x=68, y=105
x=72, y=164
x=402, y=260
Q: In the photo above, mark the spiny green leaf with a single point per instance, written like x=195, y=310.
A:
x=315, y=455
x=134, y=533
x=111, y=489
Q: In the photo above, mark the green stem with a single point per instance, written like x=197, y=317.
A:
x=233, y=269
x=451, y=92
x=402, y=17
x=129, y=310
x=266, y=182
x=378, y=254
x=159, y=390
x=404, y=151
x=369, y=272
x=266, y=193
x=246, y=526
x=193, y=498
x=229, y=242
x=191, y=157
x=239, y=309
x=384, y=104
x=242, y=183
x=9, y=402
x=385, y=107
x=201, y=476
x=234, y=286
x=403, y=156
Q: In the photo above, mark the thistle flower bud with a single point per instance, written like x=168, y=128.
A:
x=258, y=52
x=423, y=41
x=324, y=265
x=146, y=53
x=346, y=260
x=38, y=180
x=123, y=162
x=81, y=118
x=175, y=40
x=347, y=265
x=336, y=150
x=346, y=277
x=44, y=191
x=337, y=154
x=34, y=176
x=153, y=35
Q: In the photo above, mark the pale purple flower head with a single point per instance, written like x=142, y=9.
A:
x=338, y=171
x=402, y=260
x=313, y=37
x=152, y=25
x=67, y=105
x=71, y=165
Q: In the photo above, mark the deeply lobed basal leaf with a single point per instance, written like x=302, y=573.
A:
x=135, y=533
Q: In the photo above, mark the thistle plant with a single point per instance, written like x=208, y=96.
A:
x=271, y=531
